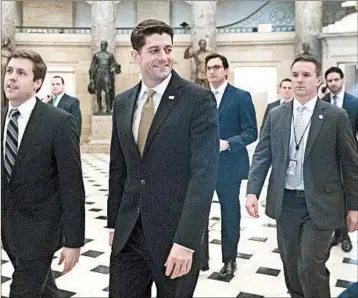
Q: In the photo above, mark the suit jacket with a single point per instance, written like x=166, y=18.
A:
x=237, y=124
x=268, y=108
x=350, y=104
x=330, y=169
x=172, y=185
x=72, y=105
x=44, y=200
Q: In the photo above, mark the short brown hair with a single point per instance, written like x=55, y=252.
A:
x=308, y=58
x=147, y=28
x=39, y=67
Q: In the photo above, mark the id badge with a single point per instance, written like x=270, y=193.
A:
x=291, y=170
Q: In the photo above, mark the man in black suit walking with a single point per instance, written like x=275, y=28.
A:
x=310, y=146
x=62, y=100
x=42, y=192
x=335, y=79
x=285, y=95
x=163, y=169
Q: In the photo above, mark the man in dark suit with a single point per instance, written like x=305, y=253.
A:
x=42, y=192
x=62, y=100
x=335, y=79
x=285, y=95
x=163, y=168
x=238, y=128
x=310, y=146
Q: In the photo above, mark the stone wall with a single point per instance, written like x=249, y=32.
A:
x=47, y=13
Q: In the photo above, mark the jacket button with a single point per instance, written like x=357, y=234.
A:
x=142, y=182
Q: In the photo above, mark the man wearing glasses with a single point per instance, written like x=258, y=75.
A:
x=238, y=128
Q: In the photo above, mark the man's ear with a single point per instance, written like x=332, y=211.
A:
x=135, y=56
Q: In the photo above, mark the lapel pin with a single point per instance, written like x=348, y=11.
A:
x=171, y=96
x=320, y=117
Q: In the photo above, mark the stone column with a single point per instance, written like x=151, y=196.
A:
x=203, y=26
x=308, y=26
x=103, y=15
x=8, y=17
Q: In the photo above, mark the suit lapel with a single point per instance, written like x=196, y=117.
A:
x=225, y=99
x=167, y=102
x=131, y=104
x=318, y=118
x=29, y=132
x=346, y=103
x=3, y=135
x=285, y=124
x=62, y=102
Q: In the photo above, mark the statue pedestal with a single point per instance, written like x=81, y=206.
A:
x=100, y=140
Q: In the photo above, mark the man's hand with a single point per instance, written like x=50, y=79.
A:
x=110, y=241
x=179, y=262
x=224, y=145
x=70, y=256
x=252, y=205
x=48, y=98
x=352, y=221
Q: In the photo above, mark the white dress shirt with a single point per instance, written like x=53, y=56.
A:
x=340, y=97
x=219, y=92
x=58, y=98
x=307, y=114
x=25, y=110
x=142, y=99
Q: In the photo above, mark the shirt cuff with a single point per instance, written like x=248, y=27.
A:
x=110, y=230
x=188, y=249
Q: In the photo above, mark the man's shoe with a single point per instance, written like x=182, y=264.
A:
x=204, y=267
x=228, y=270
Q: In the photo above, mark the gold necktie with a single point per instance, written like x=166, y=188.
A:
x=146, y=120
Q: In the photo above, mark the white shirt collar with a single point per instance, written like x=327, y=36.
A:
x=310, y=105
x=220, y=89
x=25, y=108
x=160, y=89
x=58, y=97
x=340, y=95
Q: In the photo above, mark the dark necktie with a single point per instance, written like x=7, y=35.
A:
x=11, y=145
x=335, y=98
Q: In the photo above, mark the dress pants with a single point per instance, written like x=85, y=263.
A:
x=31, y=278
x=133, y=271
x=304, y=249
x=228, y=194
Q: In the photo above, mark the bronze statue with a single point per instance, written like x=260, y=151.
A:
x=6, y=52
x=199, y=57
x=102, y=72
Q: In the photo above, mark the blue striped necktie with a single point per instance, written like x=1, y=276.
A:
x=11, y=144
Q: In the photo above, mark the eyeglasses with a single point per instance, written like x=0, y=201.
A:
x=214, y=67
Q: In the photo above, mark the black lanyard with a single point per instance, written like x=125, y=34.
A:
x=294, y=131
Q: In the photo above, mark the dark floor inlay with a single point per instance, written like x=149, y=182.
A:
x=101, y=269
x=88, y=240
x=4, y=279
x=350, y=261
x=244, y=256
x=89, y=203
x=268, y=271
x=215, y=276
x=94, y=209
x=215, y=202
x=92, y=253
x=103, y=189
x=248, y=295
x=65, y=294
x=106, y=289
x=215, y=218
x=56, y=274
x=216, y=241
x=276, y=251
x=269, y=225
x=4, y=262
x=101, y=217
x=259, y=239
x=343, y=283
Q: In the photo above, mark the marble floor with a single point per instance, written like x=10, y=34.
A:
x=259, y=271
